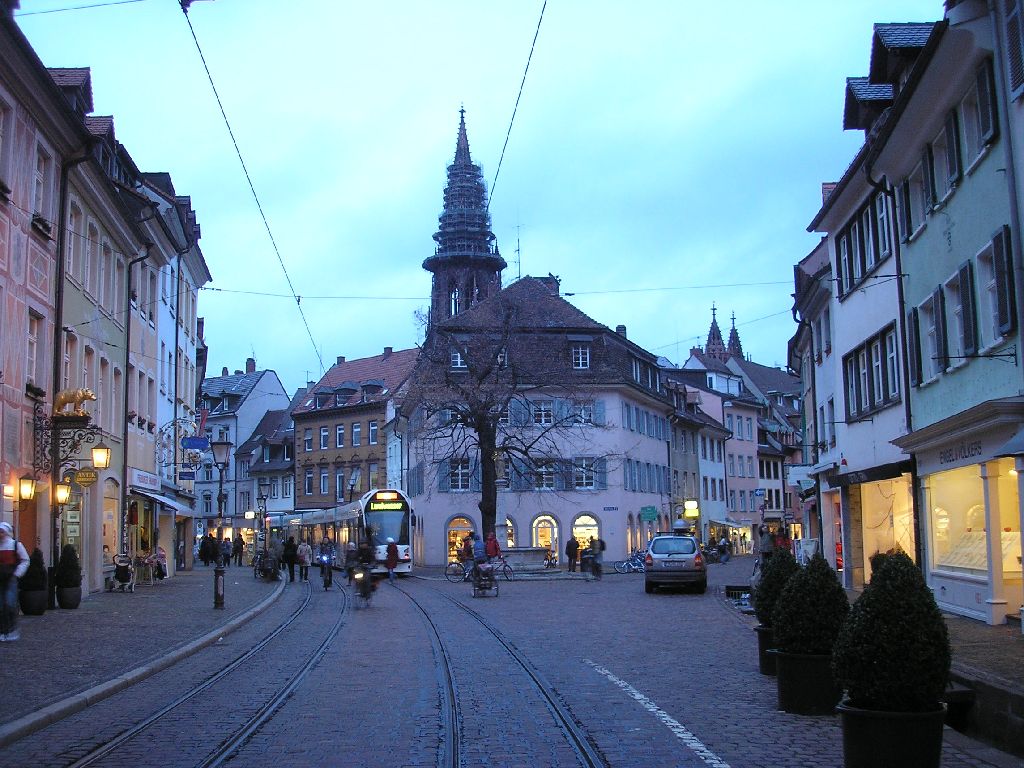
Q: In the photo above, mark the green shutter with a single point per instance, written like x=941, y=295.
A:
x=967, y=311
x=443, y=475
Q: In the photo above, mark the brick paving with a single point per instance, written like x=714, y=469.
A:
x=653, y=677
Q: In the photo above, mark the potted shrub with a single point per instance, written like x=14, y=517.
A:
x=32, y=587
x=807, y=619
x=892, y=659
x=68, y=578
x=781, y=566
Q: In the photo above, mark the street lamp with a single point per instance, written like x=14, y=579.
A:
x=26, y=488
x=101, y=455
x=221, y=457
x=261, y=504
x=351, y=486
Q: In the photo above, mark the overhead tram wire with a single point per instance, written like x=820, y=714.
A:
x=79, y=7
x=252, y=187
x=508, y=133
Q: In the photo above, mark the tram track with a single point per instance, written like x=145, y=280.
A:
x=575, y=736
x=242, y=733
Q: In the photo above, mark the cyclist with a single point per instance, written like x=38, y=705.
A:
x=327, y=562
x=479, y=554
x=491, y=547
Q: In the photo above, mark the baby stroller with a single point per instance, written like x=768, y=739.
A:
x=124, y=574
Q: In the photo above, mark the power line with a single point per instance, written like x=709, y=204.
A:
x=677, y=288
x=516, y=107
x=78, y=7
x=252, y=188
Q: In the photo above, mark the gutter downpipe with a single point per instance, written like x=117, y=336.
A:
x=123, y=544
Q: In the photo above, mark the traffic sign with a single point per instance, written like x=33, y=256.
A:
x=759, y=491
x=648, y=514
x=195, y=443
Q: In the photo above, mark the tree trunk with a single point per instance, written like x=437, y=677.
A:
x=487, y=437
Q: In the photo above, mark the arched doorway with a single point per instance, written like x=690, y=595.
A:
x=632, y=540
x=510, y=528
x=545, y=532
x=585, y=528
x=458, y=528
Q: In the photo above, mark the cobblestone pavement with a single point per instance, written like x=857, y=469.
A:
x=65, y=652
x=667, y=679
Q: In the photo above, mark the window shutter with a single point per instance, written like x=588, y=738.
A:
x=627, y=467
x=986, y=83
x=625, y=415
x=562, y=409
x=444, y=476
x=520, y=476
x=599, y=413
x=1002, y=261
x=914, y=347
x=928, y=174
x=518, y=412
x=560, y=466
x=475, y=476
x=904, y=211
x=953, y=167
x=1015, y=46
x=970, y=323
x=419, y=478
x=939, y=310
x=601, y=474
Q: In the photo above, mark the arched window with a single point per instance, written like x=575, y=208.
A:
x=111, y=523
x=585, y=528
x=545, y=532
x=510, y=528
x=458, y=528
x=632, y=540
x=453, y=301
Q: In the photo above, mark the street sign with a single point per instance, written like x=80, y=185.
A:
x=649, y=514
x=191, y=475
x=759, y=491
x=195, y=443
x=86, y=476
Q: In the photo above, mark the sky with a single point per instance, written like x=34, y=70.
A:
x=665, y=156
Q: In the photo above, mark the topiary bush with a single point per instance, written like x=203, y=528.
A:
x=69, y=571
x=811, y=610
x=35, y=577
x=892, y=653
x=781, y=566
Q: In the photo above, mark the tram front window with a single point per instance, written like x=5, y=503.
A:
x=381, y=525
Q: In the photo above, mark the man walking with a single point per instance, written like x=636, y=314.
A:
x=13, y=564
x=571, y=548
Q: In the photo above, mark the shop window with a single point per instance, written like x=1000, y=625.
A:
x=458, y=529
x=544, y=532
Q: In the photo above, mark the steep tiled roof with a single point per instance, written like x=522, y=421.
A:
x=909, y=34
x=264, y=430
x=72, y=76
x=864, y=90
x=547, y=309
x=769, y=379
x=99, y=125
x=388, y=370
x=711, y=363
x=240, y=384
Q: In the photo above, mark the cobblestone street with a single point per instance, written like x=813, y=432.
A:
x=670, y=679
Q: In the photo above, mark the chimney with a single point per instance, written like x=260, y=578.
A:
x=388, y=351
x=224, y=371
x=310, y=385
x=552, y=283
x=621, y=330
x=250, y=365
x=341, y=359
x=238, y=372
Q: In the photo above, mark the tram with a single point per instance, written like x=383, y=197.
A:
x=387, y=514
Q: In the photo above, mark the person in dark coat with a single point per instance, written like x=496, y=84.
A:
x=204, y=551
x=237, y=547
x=225, y=552
x=572, y=548
x=391, y=560
x=290, y=555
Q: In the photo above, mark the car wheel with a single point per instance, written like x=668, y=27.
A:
x=649, y=587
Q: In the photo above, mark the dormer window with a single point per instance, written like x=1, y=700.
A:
x=266, y=453
x=580, y=356
x=458, y=362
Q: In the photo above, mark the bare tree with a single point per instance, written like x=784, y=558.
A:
x=491, y=394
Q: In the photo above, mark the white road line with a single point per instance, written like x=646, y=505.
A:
x=674, y=725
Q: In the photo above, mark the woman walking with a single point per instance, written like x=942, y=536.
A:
x=304, y=553
x=391, y=560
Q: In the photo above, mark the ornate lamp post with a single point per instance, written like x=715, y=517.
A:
x=221, y=457
x=261, y=504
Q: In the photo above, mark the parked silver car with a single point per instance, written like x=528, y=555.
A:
x=675, y=561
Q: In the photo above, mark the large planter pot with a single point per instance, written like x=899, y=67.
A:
x=876, y=739
x=806, y=686
x=32, y=601
x=765, y=643
x=69, y=597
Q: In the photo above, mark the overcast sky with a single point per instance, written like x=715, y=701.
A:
x=665, y=155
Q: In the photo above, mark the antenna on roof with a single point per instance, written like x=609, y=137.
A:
x=519, y=259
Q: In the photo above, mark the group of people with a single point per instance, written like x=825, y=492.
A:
x=591, y=557
x=223, y=552
x=291, y=554
x=478, y=551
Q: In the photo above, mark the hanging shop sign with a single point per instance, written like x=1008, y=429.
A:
x=86, y=476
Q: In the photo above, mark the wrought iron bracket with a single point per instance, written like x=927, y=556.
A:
x=58, y=438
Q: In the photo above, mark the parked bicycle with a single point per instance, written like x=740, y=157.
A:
x=460, y=570
x=633, y=564
x=550, y=560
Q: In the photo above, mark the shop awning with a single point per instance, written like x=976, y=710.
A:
x=729, y=523
x=166, y=501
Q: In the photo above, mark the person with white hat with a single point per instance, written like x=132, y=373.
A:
x=13, y=564
x=391, y=559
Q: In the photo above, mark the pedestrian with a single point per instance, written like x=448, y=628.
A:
x=13, y=564
x=289, y=556
x=204, y=551
x=491, y=547
x=723, y=549
x=743, y=543
x=181, y=555
x=304, y=554
x=327, y=562
x=572, y=547
x=237, y=548
x=351, y=558
x=597, y=547
x=391, y=560
x=225, y=551
x=765, y=546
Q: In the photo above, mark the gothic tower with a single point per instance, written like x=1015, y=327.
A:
x=466, y=264
x=715, y=346
x=735, y=348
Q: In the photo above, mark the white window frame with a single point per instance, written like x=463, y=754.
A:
x=584, y=474
x=325, y=438
x=339, y=435
x=458, y=363
x=459, y=474
x=372, y=432
x=356, y=434
x=543, y=413
x=580, y=356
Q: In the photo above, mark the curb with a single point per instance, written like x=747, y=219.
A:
x=23, y=726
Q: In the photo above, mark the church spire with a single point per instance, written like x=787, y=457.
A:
x=466, y=264
x=735, y=349
x=715, y=346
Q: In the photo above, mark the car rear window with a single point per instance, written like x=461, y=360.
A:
x=673, y=546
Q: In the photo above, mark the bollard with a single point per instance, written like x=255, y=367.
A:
x=218, y=586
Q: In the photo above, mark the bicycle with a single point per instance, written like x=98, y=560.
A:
x=458, y=570
x=503, y=568
x=633, y=564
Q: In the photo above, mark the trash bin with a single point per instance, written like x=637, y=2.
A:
x=586, y=562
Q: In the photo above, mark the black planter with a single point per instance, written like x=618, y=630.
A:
x=69, y=597
x=806, y=686
x=32, y=601
x=876, y=739
x=765, y=643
